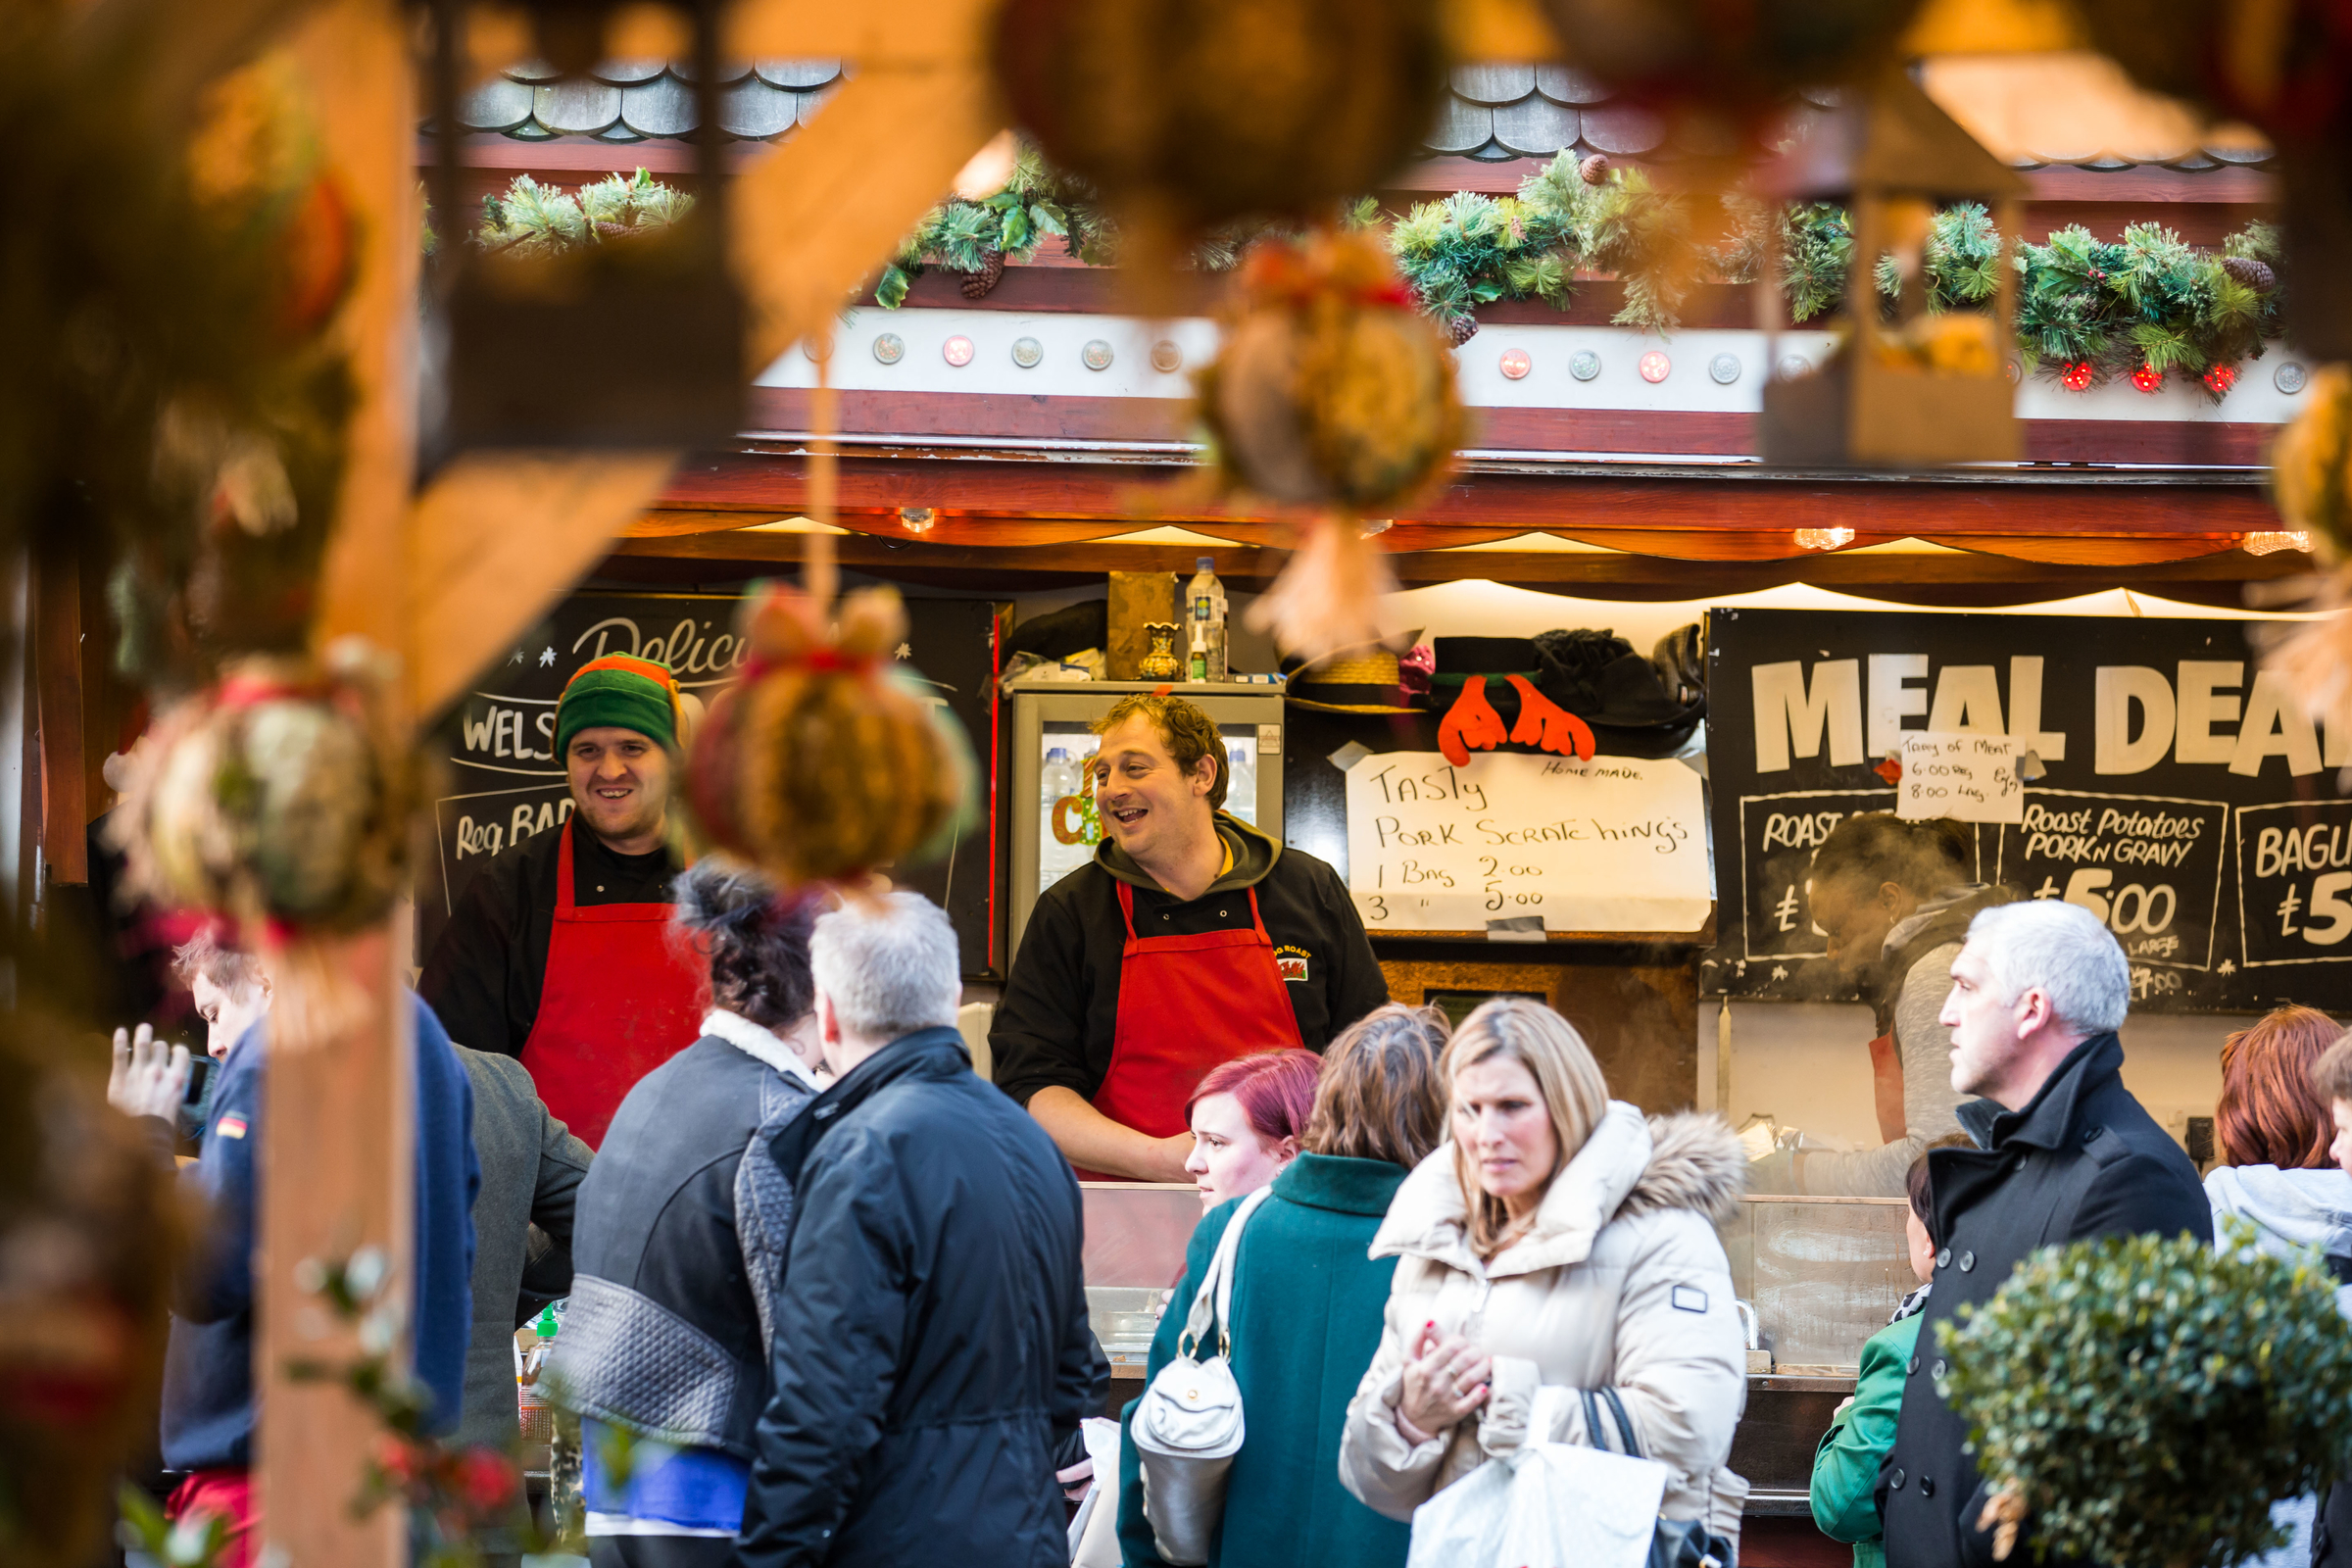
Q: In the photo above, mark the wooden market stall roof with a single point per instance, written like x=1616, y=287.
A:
x=1059, y=484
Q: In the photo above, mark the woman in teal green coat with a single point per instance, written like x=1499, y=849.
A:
x=1308, y=1302
x=1846, y=1466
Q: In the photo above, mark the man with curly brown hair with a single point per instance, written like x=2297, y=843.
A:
x=1191, y=939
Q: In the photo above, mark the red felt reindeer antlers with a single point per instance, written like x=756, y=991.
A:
x=1545, y=723
x=1472, y=724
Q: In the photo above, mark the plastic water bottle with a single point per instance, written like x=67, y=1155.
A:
x=532, y=1407
x=1240, y=786
x=1057, y=778
x=1205, y=621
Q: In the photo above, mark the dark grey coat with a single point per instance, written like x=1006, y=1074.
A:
x=531, y=1171
x=681, y=1239
x=2081, y=1159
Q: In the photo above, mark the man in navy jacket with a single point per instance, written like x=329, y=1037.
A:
x=930, y=1333
x=209, y=1406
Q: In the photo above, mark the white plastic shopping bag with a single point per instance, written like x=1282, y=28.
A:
x=1544, y=1505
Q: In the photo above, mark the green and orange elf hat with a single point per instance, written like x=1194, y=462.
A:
x=625, y=692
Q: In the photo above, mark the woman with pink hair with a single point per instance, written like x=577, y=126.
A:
x=1246, y=1117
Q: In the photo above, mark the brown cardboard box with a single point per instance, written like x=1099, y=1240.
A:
x=1137, y=598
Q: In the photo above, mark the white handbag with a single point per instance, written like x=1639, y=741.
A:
x=1544, y=1503
x=1188, y=1425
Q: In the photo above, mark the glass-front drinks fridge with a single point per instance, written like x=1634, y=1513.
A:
x=1054, y=826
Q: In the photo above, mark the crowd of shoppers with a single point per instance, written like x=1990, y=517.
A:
x=826, y=1296
x=1308, y=1295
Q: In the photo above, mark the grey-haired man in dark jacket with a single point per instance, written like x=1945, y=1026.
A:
x=931, y=1330
x=2063, y=1153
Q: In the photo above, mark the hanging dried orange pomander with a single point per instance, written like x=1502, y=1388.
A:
x=1331, y=391
x=828, y=760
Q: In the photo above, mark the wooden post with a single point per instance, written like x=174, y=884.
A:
x=57, y=686
x=338, y=1121
x=337, y=1151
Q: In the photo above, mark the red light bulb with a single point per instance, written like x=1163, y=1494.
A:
x=2148, y=378
x=2076, y=377
x=2221, y=378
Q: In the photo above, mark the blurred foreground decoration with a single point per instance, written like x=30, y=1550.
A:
x=1331, y=391
x=2285, y=67
x=461, y=1502
x=828, y=760
x=89, y=1232
x=1186, y=114
x=1720, y=75
x=173, y=379
x=519, y=319
x=279, y=798
x=1932, y=386
x=2145, y=1401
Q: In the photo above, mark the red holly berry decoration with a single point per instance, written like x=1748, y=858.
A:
x=2148, y=378
x=2221, y=378
x=2076, y=377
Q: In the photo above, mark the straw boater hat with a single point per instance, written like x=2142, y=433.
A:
x=1353, y=680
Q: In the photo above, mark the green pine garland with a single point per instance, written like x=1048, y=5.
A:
x=2088, y=311
x=535, y=220
x=1008, y=227
x=1471, y=250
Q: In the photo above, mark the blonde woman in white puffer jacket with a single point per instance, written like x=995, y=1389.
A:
x=1559, y=1238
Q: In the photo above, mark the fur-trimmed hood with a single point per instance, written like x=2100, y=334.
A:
x=1630, y=1167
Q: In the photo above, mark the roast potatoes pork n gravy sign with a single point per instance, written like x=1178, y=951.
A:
x=2159, y=778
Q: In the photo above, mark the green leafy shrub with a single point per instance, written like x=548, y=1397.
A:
x=2147, y=1399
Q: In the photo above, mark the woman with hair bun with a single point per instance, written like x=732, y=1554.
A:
x=680, y=1238
x=1893, y=897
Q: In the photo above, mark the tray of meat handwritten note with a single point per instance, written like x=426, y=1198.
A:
x=1518, y=844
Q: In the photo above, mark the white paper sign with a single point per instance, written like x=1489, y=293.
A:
x=1614, y=843
x=1965, y=775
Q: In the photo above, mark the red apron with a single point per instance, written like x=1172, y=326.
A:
x=1187, y=1004
x=616, y=1001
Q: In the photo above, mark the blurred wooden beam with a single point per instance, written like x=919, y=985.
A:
x=818, y=215
x=340, y=1136
x=56, y=683
x=1993, y=26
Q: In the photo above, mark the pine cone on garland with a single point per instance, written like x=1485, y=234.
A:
x=1593, y=170
x=2250, y=273
x=976, y=286
x=1461, y=328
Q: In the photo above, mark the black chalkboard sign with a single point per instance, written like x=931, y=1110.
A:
x=2182, y=795
x=501, y=785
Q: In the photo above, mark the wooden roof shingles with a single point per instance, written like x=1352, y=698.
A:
x=1495, y=113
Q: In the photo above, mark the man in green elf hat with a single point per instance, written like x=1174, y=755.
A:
x=559, y=954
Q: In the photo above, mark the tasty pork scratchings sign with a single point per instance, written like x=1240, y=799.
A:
x=2174, y=789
